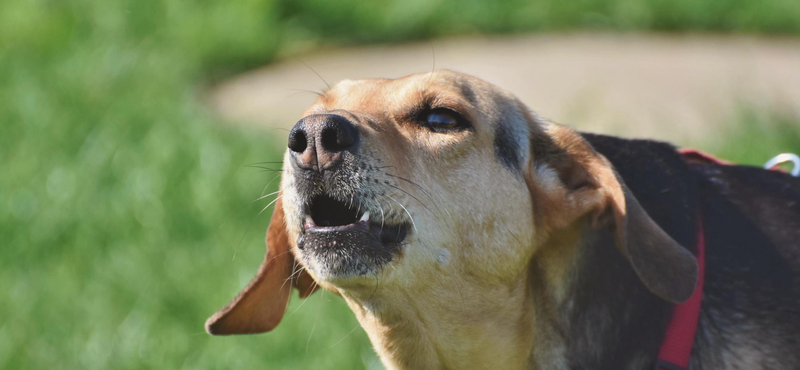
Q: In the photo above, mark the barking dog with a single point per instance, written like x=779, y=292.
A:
x=467, y=233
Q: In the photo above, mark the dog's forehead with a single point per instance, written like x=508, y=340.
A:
x=442, y=88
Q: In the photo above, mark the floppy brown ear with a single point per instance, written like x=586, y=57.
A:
x=570, y=182
x=259, y=307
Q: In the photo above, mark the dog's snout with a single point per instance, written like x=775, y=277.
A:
x=317, y=142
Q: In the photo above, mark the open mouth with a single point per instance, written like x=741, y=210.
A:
x=326, y=215
x=341, y=240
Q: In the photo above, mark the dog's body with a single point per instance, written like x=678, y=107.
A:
x=466, y=233
x=750, y=316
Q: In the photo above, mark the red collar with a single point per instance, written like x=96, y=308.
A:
x=676, y=349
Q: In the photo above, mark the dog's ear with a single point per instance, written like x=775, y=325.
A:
x=259, y=307
x=571, y=182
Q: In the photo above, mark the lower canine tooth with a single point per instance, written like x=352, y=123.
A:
x=365, y=217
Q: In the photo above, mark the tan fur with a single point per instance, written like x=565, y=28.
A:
x=491, y=252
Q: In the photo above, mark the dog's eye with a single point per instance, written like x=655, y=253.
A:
x=444, y=120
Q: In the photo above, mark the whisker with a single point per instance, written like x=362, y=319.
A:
x=270, y=203
x=345, y=337
x=425, y=192
x=433, y=66
x=314, y=285
x=264, y=196
x=302, y=91
x=271, y=258
x=298, y=307
x=292, y=276
x=461, y=293
x=404, y=209
x=319, y=309
x=418, y=186
x=312, y=329
x=512, y=234
x=377, y=282
x=415, y=198
x=249, y=225
x=382, y=217
x=236, y=212
x=266, y=168
x=433, y=55
x=256, y=165
x=315, y=72
x=270, y=182
x=268, y=162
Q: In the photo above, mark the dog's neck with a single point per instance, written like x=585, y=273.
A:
x=577, y=296
x=448, y=327
x=591, y=310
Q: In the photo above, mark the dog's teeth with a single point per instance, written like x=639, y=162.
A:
x=309, y=220
x=365, y=217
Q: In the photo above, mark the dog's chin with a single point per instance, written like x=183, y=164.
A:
x=342, y=245
x=350, y=252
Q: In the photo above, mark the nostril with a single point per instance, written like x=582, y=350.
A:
x=297, y=140
x=338, y=137
x=330, y=139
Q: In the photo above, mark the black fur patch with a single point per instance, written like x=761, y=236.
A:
x=616, y=322
x=751, y=219
x=507, y=148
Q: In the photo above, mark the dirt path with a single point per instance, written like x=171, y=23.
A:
x=677, y=88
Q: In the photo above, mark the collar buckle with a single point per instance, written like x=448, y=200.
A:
x=785, y=158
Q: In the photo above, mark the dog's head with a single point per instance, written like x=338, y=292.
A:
x=437, y=179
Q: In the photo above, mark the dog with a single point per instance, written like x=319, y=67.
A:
x=466, y=232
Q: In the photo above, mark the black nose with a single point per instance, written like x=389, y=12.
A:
x=317, y=141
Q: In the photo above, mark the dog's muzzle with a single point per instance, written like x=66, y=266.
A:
x=340, y=236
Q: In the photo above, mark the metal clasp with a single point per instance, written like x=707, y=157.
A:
x=785, y=158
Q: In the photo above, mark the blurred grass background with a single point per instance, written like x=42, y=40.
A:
x=121, y=195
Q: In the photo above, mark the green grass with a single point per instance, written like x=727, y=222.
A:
x=125, y=208
x=754, y=137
